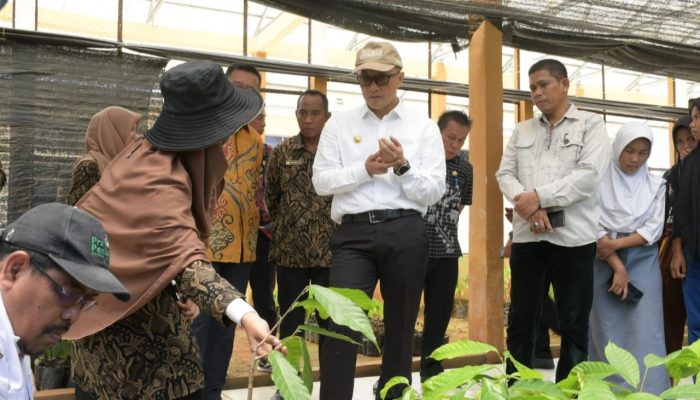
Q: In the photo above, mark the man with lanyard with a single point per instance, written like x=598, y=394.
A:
x=550, y=171
x=384, y=164
x=54, y=262
x=441, y=223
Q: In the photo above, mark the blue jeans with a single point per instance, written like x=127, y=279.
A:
x=691, y=295
x=533, y=267
x=216, y=340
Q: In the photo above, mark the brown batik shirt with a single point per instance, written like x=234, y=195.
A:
x=85, y=175
x=152, y=353
x=302, y=218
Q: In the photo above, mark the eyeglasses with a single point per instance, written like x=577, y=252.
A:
x=380, y=80
x=68, y=298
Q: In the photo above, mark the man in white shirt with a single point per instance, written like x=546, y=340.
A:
x=384, y=165
x=54, y=262
x=550, y=171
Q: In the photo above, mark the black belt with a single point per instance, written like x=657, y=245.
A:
x=377, y=216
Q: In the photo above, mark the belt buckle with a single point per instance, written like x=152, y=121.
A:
x=372, y=219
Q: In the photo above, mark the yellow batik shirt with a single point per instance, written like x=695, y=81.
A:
x=235, y=220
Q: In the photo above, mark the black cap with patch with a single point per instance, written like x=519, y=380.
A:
x=73, y=239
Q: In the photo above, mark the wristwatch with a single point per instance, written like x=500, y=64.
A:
x=402, y=169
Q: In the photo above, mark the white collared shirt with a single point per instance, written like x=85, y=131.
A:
x=350, y=137
x=16, y=381
x=564, y=165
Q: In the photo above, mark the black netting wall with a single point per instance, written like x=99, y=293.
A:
x=47, y=96
x=652, y=36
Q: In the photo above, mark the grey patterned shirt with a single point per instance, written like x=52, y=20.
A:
x=442, y=217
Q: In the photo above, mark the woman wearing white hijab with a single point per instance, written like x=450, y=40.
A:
x=631, y=222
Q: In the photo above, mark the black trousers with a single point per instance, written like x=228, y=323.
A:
x=533, y=267
x=438, y=296
x=262, y=282
x=395, y=253
x=291, y=282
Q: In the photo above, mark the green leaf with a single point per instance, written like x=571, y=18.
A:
x=695, y=347
x=491, y=391
x=343, y=311
x=537, y=387
x=652, y=360
x=285, y=377
x=357, y=296
x=682, y=363
x=397, y=380
x=625, y=363
x=307, y=375
x=523, y=371
x=326, y=332
x=682, y=392
x=459, y=393
x=310, y=305
x=593, y=370
x=641, y=396
x=461, y=348
x=294, y=351
x=595, y=390
x=435, y=387
x=570, y=384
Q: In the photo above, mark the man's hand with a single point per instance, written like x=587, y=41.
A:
x=375, y=165
x=526, y=204
x=539, y=222
x=678, y=265
x=605, y=247
x=391, y=152
x=259, y=338
x=509, y=214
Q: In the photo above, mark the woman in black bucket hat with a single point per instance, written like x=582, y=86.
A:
x=155, y=201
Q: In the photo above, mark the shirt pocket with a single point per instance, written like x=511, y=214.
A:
x=527, y=152
x=569, y=151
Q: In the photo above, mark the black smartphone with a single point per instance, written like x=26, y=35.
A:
x=633, y=293
x=556, y=218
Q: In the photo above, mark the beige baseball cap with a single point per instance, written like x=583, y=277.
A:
x=377, y=56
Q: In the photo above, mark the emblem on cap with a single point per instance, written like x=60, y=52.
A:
x=357, y=138
x=371, y=53
x=99, y=247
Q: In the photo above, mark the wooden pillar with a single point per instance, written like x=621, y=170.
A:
x=671, y=84
x=486, y=213
x=319, y=83
x=263, y=78
x=438, y=102
x=524, y=111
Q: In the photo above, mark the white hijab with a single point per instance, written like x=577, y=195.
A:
x=627, y=200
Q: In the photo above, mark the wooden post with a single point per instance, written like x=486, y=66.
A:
x=486, y=213
x=263, y=78
x=671, y=83
x=438, y=102
x=319, y=83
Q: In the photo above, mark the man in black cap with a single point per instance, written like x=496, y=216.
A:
x=53, y=262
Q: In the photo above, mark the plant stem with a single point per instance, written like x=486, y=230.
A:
x=255, y=358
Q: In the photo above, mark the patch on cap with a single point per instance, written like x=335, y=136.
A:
x=370, y=53
x=100, y=247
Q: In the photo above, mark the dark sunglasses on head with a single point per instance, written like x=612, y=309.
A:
x=68, y=298
x=380, y=80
